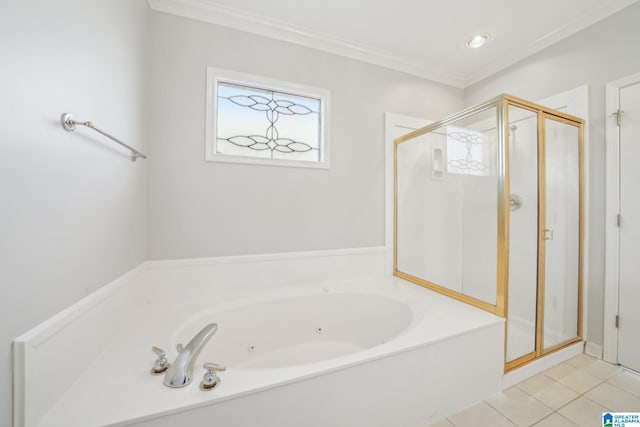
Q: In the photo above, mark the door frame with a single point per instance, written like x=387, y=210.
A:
x=612, y=203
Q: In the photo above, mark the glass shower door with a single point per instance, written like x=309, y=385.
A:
x=545, y=238
x=560, y=240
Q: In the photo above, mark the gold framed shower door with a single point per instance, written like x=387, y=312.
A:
x=500, y=308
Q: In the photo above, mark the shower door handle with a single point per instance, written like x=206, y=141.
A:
x=548, y=234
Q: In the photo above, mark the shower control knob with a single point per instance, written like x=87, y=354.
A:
x=161, y=364
x=211, y=378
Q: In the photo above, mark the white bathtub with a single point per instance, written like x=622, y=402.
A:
x=375, y=352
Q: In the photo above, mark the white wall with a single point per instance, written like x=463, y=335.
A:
x=73, y=207
x=201, y=208
x=601, y=53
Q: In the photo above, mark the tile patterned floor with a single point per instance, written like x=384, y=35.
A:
x=573, y=393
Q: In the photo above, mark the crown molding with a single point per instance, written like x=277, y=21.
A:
x=211, y=12
x=590, y=17
x=208, y=11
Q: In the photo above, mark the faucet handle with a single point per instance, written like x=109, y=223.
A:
x=157, y=350
x=161, y=364
x=211, y=379
x=213, y=367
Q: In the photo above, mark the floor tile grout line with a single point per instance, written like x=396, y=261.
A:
x=598, y=403
x=616, y=387
x=569, y=402
x=554, y=410
x=587, y=390
x=557, y=411
x=581, y=395
x=512, y=421
x=597, y=385
x=628, y=391
x=629, y=371
x=583, y=370
x=533, y=397
x=547, y=406
x=554, y=413
x=498, y=411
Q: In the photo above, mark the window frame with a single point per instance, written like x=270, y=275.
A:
x=218, y=75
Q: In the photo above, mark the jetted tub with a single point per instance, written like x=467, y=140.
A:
x=298, y=330
x=374, y=352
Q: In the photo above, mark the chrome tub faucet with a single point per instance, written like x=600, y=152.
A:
x=180, y=373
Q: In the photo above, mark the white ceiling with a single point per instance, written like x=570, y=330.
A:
x=421, y=37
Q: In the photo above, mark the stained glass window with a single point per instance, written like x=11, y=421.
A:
x=266, y=124
x=468, y=152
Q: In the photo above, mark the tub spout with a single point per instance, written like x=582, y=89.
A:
x=180, y=373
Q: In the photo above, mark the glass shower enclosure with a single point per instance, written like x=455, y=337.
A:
x=489, y=210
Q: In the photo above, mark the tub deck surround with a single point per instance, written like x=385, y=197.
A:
x=387, y=348
x=239, y=276
x=394, y=317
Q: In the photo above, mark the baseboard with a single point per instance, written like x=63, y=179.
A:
x=518, y=375
x=592, y=349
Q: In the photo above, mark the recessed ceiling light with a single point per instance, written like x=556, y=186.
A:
x=477, y=41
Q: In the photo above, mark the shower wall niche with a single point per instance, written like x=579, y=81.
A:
x=489, y=210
